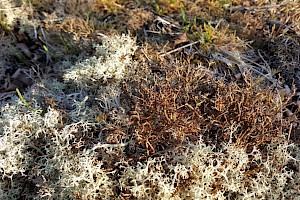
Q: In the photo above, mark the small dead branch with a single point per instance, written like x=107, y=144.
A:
x=252, y=8
x=4, y=9
x=179, y=48
x=98, y=146
x=4, y=95
x=163, y=21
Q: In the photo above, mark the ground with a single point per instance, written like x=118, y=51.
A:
x=150, y=99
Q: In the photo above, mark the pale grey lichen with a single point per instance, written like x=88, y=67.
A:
x=214, y=175
x=109, y=62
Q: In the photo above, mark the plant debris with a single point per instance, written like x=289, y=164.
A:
x=149, y=99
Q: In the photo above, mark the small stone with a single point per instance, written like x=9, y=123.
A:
x=238, y=76
x=287, y=90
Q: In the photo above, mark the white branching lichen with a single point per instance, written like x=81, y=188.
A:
x=109, y=62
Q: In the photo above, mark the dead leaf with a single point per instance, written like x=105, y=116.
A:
x=18, y=80
x=23, y=47
x=181, y=39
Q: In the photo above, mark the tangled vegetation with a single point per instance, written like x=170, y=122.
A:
x=160, y=99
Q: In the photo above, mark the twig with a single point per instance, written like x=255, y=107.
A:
x=148, y=31
x=102, y=35
x=252, y=8
x=290, y=131
x=159, y=32
x=45, y=41
x=3, y=9
x=145, y=55
x=167, y=22
x=179, y=48
x=4, y=95
x=109, y=145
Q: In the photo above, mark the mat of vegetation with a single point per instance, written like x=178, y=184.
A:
x=149, y=99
